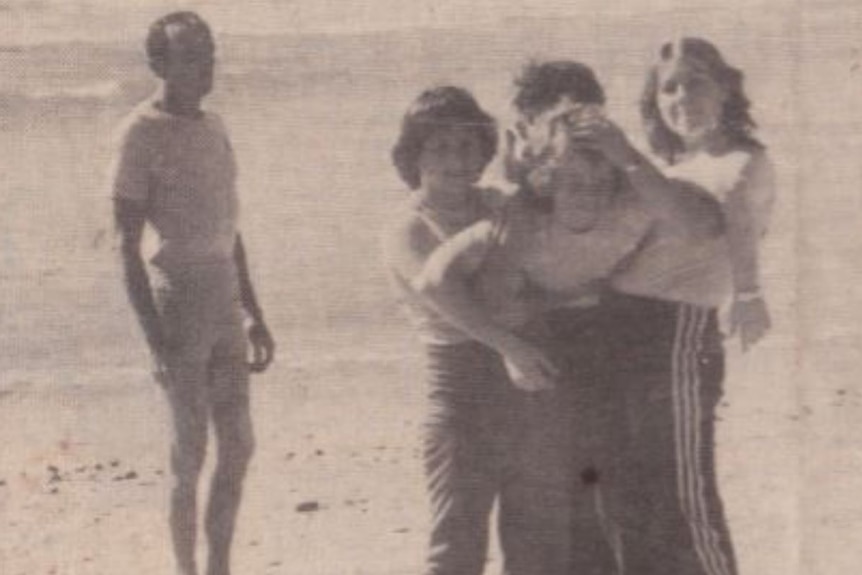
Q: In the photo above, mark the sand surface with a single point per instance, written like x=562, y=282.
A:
x=336, y=485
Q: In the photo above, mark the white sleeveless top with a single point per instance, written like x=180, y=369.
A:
x=675, y=267
x=430, y=326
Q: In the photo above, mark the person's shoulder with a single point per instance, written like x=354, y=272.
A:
x=749, y=164
x=142, y=122
x=405, y=228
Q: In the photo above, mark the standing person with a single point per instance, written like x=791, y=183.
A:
x=579, y=219
x=175, y=170
x=572, y=222
x=446, y=142
x=667, y=354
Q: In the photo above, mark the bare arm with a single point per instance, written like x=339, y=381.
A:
x=263, y=345
x=445, y=283
x=130, y=218
x=246, y=289
x=693, y=213
x=749, y=314
x=742, y=239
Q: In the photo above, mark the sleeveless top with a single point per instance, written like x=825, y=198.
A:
x=675, y=267
x=430, y=326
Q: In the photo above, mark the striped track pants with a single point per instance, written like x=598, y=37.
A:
x=667, y=366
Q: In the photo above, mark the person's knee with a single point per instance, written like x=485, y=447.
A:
x=236, y=450
x=187, y=458
x=244, y=448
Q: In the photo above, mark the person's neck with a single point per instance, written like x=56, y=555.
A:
x=714, y=143
x=175, y=105
x=448, y=201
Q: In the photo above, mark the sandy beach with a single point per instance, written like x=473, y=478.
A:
x=336, y=486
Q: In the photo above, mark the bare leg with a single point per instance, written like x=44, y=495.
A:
x=235, y=445
x=189, y=411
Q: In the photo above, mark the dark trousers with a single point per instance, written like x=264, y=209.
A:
x=485, y=442
x=465, y=447
x=666, y=365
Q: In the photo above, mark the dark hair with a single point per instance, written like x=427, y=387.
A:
x=541, y=85
x=736, y=122
x=433, y=109
x=158, y=41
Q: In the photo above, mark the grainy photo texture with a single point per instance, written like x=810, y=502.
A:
x=450, y=288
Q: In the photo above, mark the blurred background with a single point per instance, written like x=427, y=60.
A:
x=313, y=93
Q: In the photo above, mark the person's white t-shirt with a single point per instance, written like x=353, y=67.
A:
x=184, y=171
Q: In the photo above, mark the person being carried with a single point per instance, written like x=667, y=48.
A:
x=175, y=170
x=578, y=222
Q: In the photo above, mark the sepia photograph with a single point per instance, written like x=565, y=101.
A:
x=431, y=287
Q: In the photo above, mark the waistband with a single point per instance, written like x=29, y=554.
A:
x=619, y=300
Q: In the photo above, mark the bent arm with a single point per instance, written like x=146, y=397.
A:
x=445, y=282
x=692, y=213
x=130, y=218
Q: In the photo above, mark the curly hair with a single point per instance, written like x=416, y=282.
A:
x=158, y=40
x=736, y=121
x=435, y=108
x=541, y=85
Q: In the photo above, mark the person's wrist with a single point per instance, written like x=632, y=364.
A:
x=255, y=321
x=254, y=314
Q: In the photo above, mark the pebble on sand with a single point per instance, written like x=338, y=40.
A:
x=308, y=507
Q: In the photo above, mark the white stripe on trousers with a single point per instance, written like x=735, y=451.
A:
x=691, y=323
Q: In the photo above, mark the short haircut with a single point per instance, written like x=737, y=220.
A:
x=541, y=86
x=435, y=108
x=158, y=40
x=736, y=121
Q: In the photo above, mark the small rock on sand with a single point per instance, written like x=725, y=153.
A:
x=308, y=507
